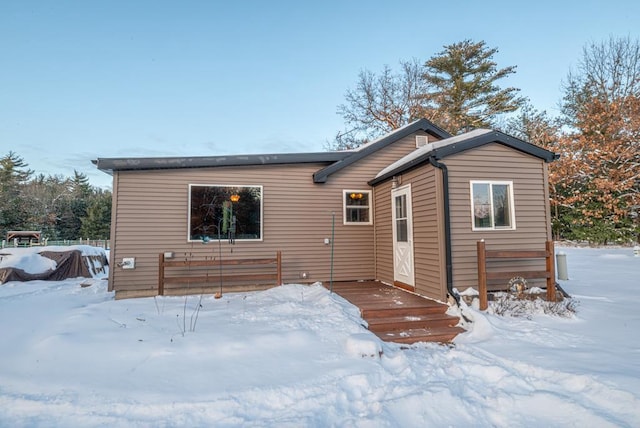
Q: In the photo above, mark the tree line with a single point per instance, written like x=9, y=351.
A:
x=595, y=184
x=61, y=208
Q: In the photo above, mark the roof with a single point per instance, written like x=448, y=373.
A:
x=336, y=160
x=130, y=164
x=382, y=142
x=447, y=147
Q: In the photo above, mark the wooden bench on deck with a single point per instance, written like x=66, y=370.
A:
x=484, y=276
x=211, y=272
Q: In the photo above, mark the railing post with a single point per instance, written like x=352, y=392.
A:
x=482, y=275
x=279, y=267
x=161, y=274
x=551, y=271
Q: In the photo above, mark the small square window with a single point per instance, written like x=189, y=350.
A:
x=492, y=205
x=357, y=207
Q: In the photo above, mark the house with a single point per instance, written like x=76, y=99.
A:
x=406, y=209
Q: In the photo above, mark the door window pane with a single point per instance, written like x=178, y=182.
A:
x=401, y=218
x=401, y=230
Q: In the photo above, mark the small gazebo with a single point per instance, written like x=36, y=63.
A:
x=23, y=237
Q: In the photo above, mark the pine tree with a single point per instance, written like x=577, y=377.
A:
x=457, y=89
x=97, y=223
x=462, y=87
x=13, y=173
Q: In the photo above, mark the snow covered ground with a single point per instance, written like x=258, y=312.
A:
x=299, y=356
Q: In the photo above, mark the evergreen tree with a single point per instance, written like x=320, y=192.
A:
x=61, y=208
x=97, y=223
x=462, y=87
x=456, y=89
x=79, y=185
x=74, y=207
x=13, y=173
x=42, y=198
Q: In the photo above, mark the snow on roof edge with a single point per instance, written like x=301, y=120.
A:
x=431, y=147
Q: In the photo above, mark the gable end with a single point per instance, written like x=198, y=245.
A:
x=322, y=175
x=460, y=144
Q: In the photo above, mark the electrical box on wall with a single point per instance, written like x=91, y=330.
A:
x=128, y=263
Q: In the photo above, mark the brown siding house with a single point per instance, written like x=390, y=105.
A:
x=398, y=214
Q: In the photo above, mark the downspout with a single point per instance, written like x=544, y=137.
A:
x=447, y=226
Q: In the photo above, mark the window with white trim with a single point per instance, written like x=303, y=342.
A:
x=357, y=207
x=492, y=205
x=225, y=211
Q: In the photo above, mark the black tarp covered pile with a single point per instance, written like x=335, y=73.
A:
x=69, y=264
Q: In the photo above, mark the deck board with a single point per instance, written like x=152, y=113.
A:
x=397, y=315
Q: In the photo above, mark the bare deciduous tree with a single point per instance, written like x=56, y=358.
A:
x=380, y=103
x=456, y=89
x=608, y=71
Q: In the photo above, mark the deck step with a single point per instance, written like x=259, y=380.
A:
x=411, y=322
x=415, y=335
x=397, y=315
x=370, y=312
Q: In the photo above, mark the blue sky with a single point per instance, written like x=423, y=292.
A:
x=86, y=79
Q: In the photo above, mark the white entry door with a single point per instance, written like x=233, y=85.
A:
x=402, y=235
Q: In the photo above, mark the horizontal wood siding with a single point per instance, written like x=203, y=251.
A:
x=496, y=162
x=114, y=210
x=382, y=209
x=428, y=231
x=151, y=213
x=383, y=233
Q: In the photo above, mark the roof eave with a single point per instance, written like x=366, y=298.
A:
x=109, y=165
x=414, y=163
x=481, y=140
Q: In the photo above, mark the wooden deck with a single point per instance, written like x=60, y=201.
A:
x=399, y=316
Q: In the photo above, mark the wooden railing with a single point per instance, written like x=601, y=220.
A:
x=212, y=272
x=484, y=276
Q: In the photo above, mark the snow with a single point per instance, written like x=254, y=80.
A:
x=29, y=259
x=299, y=356
x=428, y=148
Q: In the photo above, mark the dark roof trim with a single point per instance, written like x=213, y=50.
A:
x=419, y=125
x=135, y=164
x=460, y=144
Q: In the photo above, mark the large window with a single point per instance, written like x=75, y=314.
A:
x=492, y=205
x=225, y=212
x=357, y=207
